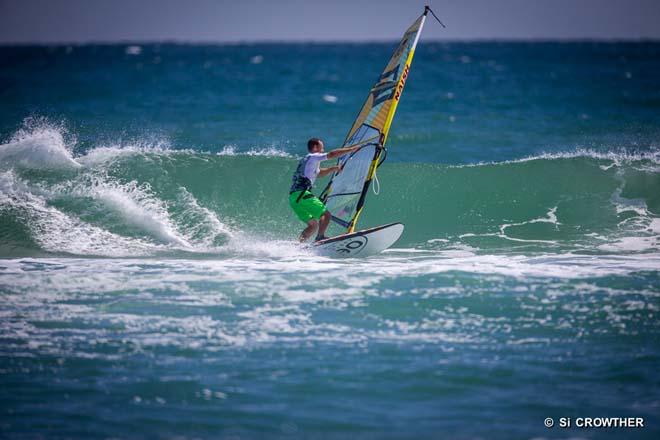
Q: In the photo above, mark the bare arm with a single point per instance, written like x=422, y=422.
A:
x=342, y=151
x=326, y=171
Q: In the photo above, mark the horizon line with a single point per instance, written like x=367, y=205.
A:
x=184, y=42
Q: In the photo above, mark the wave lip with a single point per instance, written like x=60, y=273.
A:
x=617, y=157
x=230, y=150
x=43, y=147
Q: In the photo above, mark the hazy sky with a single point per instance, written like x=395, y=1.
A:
x=330, y=20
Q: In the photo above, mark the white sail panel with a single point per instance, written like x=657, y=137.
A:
x=346, y=191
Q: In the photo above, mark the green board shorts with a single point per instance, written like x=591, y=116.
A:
x=308, y=207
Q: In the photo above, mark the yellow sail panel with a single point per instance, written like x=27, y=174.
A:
x=376, y=110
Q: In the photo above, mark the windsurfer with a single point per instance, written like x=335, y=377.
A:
x=309, y=208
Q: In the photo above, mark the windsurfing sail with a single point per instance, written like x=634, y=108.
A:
x=345, y=194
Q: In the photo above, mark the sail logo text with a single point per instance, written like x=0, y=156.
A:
x=402, y=82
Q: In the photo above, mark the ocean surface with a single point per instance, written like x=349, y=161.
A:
x=151, y=285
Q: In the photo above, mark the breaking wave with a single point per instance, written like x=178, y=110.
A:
x=137, y=199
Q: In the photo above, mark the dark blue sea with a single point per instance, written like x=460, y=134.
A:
x=151, y=285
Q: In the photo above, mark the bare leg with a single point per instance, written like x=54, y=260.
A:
x=324, y=221
x=309, y=230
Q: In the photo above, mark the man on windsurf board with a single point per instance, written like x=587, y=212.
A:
x=309, y=208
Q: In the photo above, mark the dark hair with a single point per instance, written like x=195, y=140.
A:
x=312, y=142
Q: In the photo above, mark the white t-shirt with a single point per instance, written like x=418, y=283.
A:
x=313, y=165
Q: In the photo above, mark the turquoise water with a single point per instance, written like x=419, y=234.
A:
x=151, y=286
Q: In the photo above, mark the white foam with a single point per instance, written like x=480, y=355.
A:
x=246, y=245
x=550, y=217
x=265, y=301
x=231, y=150
x=623, y=204
x=332, y=99
x=631, y=244
x=133, y=50
x=137, y=208
x=228, y=150
x=55, y=231
x=617, y=157
x=201, y=225
x=639, y=231
x=102, y=154
x=303, y=301
x=38, y=146
x=437, y=240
